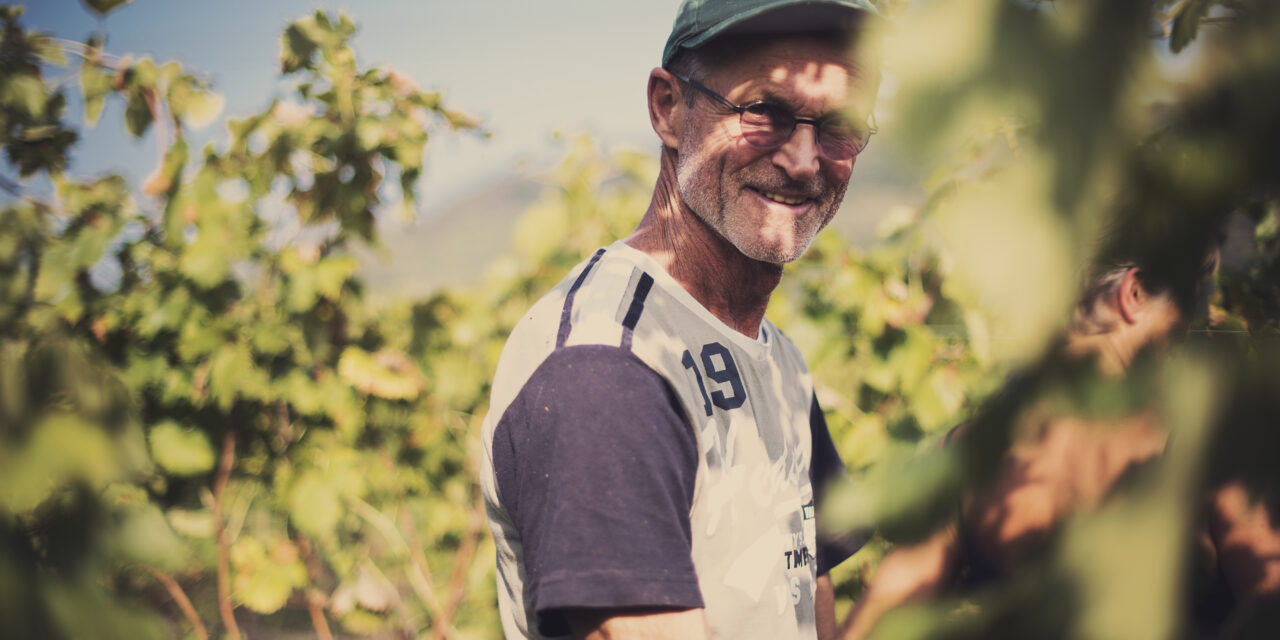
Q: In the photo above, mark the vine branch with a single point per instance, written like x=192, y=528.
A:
x=314, y=597
x=224, y=563
x=466, y=553
x=184, y=603
x=420, y=577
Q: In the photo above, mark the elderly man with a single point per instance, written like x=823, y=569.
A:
x=654, y=446
x=1060, y=465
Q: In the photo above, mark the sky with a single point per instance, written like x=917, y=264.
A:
x=527, y=70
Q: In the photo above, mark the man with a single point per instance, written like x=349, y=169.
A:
x=1140, y=297
x=654, y=447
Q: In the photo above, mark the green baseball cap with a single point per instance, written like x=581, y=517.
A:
x=699, y=21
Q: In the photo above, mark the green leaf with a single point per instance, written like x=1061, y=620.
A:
x=56, y=274
x=302, y=393
x=137, y=114
x=49, y=51
x=206, y=261
x=905, y=498
x=231, y=374
x=370, y=132
x=1268, y=229
x=181, y=451
x=296, y=49
x=193, y=104
x=386, y=374
x=937, y=399
x=270, y=339
x=62, y=448
x=144, y=74
x=301, y=294
x=265, y=579
x=83, y=610
x=103, y=7
x=95, y=86
x=142, y=534
x=25, y=93
x=199, y=336
x=1187, y=23
x=314, y=505
x=332, y=273
x=193, y=524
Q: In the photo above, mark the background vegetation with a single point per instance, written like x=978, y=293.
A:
x=205, y=428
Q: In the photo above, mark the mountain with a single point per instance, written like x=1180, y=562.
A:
x=452, y=246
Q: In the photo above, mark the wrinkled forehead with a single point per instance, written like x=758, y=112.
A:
x=827, y=69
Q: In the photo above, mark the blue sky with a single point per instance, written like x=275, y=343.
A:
x=526, y=69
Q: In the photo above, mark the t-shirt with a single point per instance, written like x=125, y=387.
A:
x=640, y=452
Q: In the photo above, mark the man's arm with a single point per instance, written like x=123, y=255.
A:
x=596, y=465
x=907, y=573
x=1246, y=536
x=824, y=608
x=649, y=624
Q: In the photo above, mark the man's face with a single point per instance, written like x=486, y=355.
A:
x=770, y=203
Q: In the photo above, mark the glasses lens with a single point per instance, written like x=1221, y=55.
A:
x=840, y=140
x=766, y=125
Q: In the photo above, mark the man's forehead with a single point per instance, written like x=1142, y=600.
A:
x=784, y=65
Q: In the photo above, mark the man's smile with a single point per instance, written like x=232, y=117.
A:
x=778, y=197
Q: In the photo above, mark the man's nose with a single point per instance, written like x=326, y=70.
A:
x=798, y=156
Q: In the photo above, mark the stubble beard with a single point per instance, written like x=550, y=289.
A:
x=710, y=198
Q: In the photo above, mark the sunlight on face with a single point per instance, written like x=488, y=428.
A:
x=770, y=203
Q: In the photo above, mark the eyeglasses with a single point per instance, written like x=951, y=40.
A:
x=766, y=125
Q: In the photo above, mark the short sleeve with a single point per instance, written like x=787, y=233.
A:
x=825, y=470
x=596, y=466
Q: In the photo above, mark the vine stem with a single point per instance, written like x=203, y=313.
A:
x=462, y=561
x=314, y=597
x=180, y=597
x=80, y=49
x=420, y=577
x=224, y=564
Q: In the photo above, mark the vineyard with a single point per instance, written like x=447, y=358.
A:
x=208, y=429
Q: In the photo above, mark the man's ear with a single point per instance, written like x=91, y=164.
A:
x=1132, y=297
x=666, y=107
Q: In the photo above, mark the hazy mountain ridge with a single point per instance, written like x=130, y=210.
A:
x=454, y=245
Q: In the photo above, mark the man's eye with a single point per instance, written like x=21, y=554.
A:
x=840, y=129
x=766, y=114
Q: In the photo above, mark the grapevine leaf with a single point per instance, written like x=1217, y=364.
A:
x=95, y=86
x=103, y=7
x=264, y=580
x=181, y=451
x=1187, y=23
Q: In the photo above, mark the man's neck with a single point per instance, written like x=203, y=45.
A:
x=733, y=287
x=1113, y=349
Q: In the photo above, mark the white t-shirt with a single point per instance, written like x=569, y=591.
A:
x=640, y=452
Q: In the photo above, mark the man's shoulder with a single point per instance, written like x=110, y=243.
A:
x=593, y=374
x=590, y=292
x=586, y=307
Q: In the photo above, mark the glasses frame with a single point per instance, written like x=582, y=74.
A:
x=816, y=123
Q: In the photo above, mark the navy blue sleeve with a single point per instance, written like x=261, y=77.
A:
x=596, y=465
x=826, y=469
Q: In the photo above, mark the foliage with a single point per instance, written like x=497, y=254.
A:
x=1066, y=138
x=196, y=398
x=205, y=426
